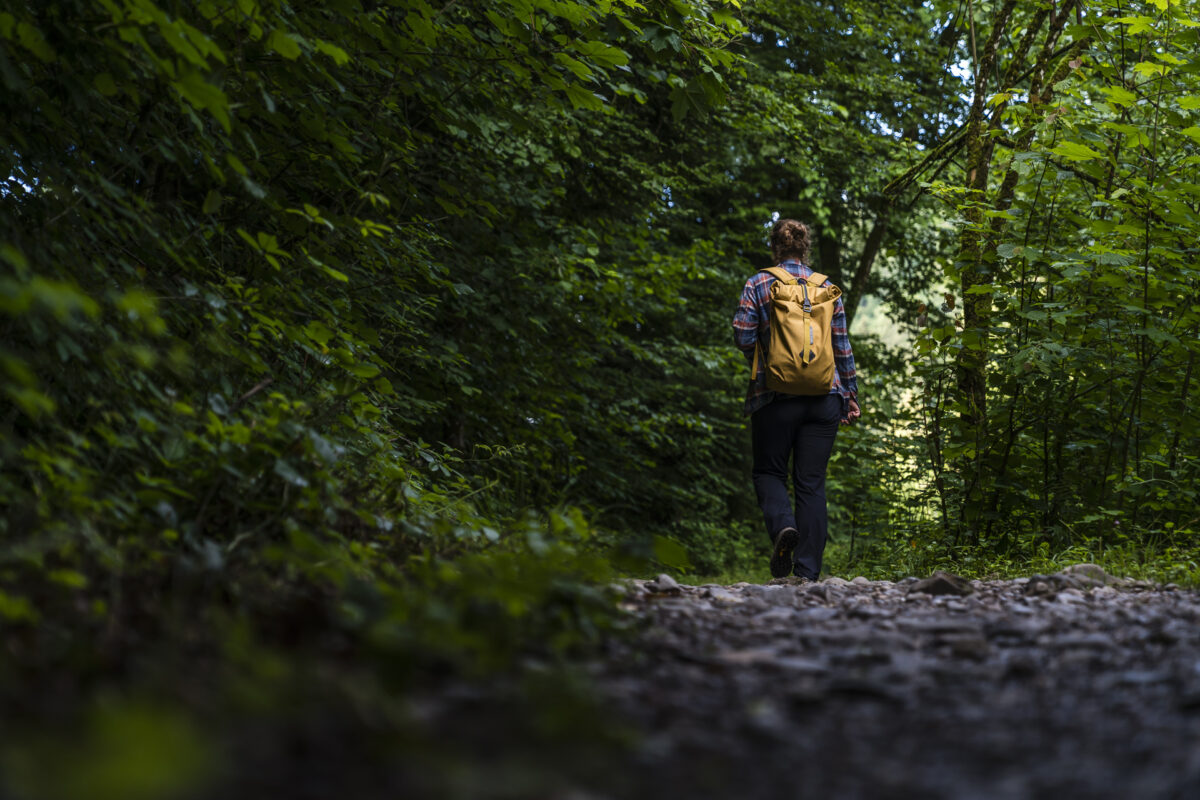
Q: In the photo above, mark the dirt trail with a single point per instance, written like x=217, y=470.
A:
x=1063, y=686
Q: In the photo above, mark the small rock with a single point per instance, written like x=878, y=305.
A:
x=1047, y=585
x=860, y=581
x=724, y=596
x=1071, y=596
x=800, y=664
x=942, y=583
x=1143, y=677
x=833, y=580
x=816, y=590
x=771, y=595
x=664, y=583
x=1089, y=575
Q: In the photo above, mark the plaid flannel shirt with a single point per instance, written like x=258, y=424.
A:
x=753, y=319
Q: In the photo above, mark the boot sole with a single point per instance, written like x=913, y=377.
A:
x=781, y=557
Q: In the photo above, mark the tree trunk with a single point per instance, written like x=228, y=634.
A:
x=861, y=284
x=829, y=246
x=974, y=267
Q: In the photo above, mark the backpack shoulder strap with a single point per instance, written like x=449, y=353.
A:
x=817, y=278
x=780, y=274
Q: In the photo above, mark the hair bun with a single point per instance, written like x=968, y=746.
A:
x=790, y=239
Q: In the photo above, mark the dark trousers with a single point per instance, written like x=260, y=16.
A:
x=802, y=429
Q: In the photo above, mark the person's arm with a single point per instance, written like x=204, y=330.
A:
x=745, y=322
x=843, y=357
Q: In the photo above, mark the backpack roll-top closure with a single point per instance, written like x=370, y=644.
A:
x=799, y=355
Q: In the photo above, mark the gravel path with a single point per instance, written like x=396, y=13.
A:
x=1063, y=686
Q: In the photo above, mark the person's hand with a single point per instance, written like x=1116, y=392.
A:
x=852, y=412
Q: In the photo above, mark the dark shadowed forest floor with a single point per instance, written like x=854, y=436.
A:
x=1074, y=685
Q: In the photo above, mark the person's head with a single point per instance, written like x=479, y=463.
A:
x=789, y=239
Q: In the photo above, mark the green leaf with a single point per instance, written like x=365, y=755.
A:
x=105, y=84
x=14, y=257
x=604, y=54
x=319, y=332
x=1119, y=95
x=1074, y=151
x=248, y=239
x=422, y=28
x=203, y=95
x=1137, y=24
x=1150, y=70
x=580, y=69
x=32, y=40
x=339, y=56
x=364, y=370
x=335, y=274
x=212, y=202
x=582, y=98
x=284, y=43
x=16, y=609
x=34, y=403
x=69, y=578
x=671, y=554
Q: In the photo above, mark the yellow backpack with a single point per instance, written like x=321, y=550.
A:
x=799, y=352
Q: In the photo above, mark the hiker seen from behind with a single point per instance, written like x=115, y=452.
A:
x=791, y=326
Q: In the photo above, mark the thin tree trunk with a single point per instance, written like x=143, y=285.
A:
x=861, y=284
x=972, y=357
x=829, y=246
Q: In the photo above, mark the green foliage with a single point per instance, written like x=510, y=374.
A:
x=1076, y=297
x=278, y=282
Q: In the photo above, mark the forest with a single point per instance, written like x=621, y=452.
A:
x=351, y=347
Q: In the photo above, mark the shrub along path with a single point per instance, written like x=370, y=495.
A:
x=1069, y=685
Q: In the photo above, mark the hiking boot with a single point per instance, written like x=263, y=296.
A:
x=781, y=552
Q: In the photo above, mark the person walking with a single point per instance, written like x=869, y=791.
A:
x=784, y=427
